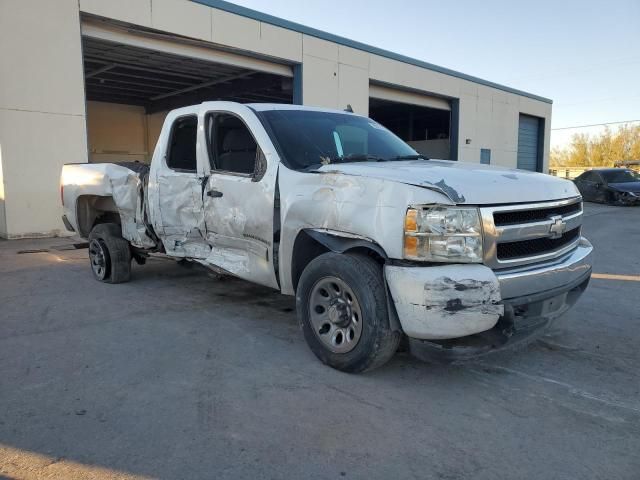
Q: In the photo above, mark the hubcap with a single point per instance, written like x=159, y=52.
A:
x=335, y=314
x=97, y=259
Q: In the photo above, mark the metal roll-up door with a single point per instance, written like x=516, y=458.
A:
x=529, y=143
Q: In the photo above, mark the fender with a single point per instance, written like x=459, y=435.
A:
x=340, y=242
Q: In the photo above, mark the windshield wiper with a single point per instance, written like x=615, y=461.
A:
x=354, y=157
x=417, y=156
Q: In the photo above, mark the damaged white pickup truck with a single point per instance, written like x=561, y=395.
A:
x=375, y=241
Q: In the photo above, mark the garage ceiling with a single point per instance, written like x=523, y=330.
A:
x=120, y=73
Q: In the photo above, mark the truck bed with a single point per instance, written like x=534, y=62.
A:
x=92, y=190
x=142, y=169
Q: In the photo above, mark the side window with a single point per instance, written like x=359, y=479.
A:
x=587, y=177
x=233, y=147
x=182, y=149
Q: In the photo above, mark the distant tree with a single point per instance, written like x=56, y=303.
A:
x=601, y=150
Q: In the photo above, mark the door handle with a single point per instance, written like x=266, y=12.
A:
x=214, y=194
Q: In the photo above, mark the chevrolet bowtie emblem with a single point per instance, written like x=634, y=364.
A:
x=557, y=227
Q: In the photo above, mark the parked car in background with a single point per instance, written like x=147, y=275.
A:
x=616, y=186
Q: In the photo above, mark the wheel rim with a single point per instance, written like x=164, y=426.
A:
x=98, y=260
x=336, y=317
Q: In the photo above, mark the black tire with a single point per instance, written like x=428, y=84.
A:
x=377, y=343
x=106, y=238
x=617, y=198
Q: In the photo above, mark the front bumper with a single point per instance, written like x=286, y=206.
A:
x=439, y=303
x=533, y=279
x=67, y=224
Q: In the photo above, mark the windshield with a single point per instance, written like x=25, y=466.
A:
x=308, y=139
x=620, y=176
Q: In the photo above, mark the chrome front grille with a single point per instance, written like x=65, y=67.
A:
x=522, y=234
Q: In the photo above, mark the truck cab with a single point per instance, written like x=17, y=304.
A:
x=376, y=242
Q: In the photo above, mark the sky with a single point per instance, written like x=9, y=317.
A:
x=584, y=55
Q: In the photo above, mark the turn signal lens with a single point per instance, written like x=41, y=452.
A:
x=411, y=221
x=410, y=246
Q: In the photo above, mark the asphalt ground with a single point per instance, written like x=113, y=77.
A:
x=182, y=374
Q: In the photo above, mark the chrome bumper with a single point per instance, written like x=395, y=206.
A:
x=550, y=276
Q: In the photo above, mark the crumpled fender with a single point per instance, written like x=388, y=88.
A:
x=340, y=242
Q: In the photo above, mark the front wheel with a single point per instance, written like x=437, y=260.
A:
x=342, y=309
x=109, y=254
x=620, y=199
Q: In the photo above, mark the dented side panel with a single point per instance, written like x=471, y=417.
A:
x=181, y=227
x=239, y=219
x=344, y=204
x=174, y=198
x=441, y=302
x=123, y=185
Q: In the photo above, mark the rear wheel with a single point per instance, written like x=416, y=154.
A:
x=109, y=254
x=342, y=309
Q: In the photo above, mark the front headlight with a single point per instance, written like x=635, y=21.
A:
x=443, y=234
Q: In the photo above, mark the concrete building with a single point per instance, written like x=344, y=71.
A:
x=91, y=81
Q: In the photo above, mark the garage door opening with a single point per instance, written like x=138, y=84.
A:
x=421, y=121
x=129, y=91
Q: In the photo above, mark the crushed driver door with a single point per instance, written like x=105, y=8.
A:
x=239, y=195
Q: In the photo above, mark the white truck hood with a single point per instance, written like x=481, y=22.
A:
x=463, y=182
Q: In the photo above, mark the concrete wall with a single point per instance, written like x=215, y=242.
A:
x=42, y=107
x=120, y=133
x=116, y=132
x=154, y=126
x=189, y=19
x=3, y=217
x=437, y=148
x=334, y=75
x=42, y=111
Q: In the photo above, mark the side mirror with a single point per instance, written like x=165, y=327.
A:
x=261, y=166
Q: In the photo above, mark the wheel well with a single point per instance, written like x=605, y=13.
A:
x=310, y=244
x=92, y=210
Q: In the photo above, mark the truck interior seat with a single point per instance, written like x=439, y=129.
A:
x=238, y=151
